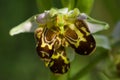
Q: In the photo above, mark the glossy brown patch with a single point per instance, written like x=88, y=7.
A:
x=85, y=48
x=45, y=43
x=49, y=35
x=44, y=52
x=85, y=44
x=71, y=33
x=59, y=63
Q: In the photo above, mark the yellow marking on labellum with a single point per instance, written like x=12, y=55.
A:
x=91, y=46
x=48, y=34
x=38, y=33
x=80, y=37
x=56, y=56
x=72, y=26
x=63, y=69
x=44, y=53
x=84, y=29
x=46, y=44
x=47, y=63
x=51, y=63
x=60, y=66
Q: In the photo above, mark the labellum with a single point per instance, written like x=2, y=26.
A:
x=51, y=49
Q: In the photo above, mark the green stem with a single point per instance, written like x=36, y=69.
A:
x=90, y=66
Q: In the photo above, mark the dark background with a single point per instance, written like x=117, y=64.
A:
x=18, y=57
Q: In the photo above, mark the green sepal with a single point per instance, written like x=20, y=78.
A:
x=96, y=25
x=27, y=26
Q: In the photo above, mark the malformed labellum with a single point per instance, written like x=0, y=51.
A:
x=51, y=48
x=59, y=32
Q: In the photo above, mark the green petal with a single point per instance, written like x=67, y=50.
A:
x=27, y=26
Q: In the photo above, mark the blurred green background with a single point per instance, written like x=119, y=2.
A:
x=18, y=57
